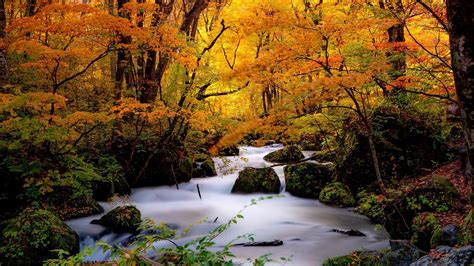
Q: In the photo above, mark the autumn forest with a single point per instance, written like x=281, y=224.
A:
x=236, y=132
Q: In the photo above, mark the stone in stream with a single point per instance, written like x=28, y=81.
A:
x=336, y=194
x=122, y=219
x=448, y=256
x=307, y=179
x=287, y=154
x=252, y=180
x=203, y=166
x=350, y=232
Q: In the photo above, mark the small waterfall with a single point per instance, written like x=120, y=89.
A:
x=303, y=225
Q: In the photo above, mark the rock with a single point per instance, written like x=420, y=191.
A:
x=229, y=151
x=287, y=154
x=29, y=238
x=402, y=252
x=325, y=156
x=203, y=166
x=405, y=141
x=450, y=256
x=105, y=189
x=351, y=232
x=122, y=219
x=336, y=194
x=450, y=236
x=252, y=180
x=307, y=179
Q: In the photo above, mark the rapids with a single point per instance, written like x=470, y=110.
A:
x=304, y=225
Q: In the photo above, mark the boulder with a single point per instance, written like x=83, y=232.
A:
x=336, y=194
x=287, y=154
x=229, y=151
x=29, y=238
x=325, y=156
x=122, y=219
x=252, y=180
x=449, y=256
x=307, y=179
x=105, y=189
x=203, y=166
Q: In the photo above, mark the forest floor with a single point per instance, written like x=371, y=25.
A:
x=453, y=172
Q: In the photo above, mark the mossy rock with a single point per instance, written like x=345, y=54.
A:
x=105, y=189
x=253, y=180
x=336, y=194
x=229, y=151
x=29, y=238
x=325, y=156
x=307, y=179
x=287, y=154
x=122, y=219
x=204, y=166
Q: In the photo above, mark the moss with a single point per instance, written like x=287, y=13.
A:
x=30, y=237
x=338, y=261
x=307, y=179
x=121, y=219
x=206, y=168
x=336, y=194
x=287, y=154
x=257, y=180
x=325, y=156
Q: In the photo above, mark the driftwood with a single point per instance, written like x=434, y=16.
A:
x=261, y=244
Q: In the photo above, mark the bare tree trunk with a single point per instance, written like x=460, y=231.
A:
x=123, y=59
x=3, y=52
x=461, y=38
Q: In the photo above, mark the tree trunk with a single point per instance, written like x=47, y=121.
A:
x=461, y=38
x=3, y=52
x=123, y=59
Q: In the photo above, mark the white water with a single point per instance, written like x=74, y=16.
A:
x=303, y=225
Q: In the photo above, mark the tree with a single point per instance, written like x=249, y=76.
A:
x=3, y=54
x=461, y=33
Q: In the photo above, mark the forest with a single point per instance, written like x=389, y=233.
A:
x=236, y=132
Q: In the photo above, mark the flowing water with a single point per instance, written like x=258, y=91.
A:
x=304, y=225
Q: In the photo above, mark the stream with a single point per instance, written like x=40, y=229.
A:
x=305, y=226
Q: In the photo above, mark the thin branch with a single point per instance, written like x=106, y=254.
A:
x=431, y=11
x=205, y=96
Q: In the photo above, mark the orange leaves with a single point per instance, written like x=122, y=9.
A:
x=129, y=107
x=34, y=102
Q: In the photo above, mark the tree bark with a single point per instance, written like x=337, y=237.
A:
x=123, y=59
x=3, y=52
x=461, y=39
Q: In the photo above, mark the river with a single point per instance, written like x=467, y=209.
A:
x=304, y=225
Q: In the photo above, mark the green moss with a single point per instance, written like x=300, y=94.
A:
x=338, y=261
x=307, y=179
x=30, y=237
x=287, y=154
x=121, y=219
x=257, y=180
x=371, y=205
x=336, y=194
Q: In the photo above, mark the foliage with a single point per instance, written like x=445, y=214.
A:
x=30, y=237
